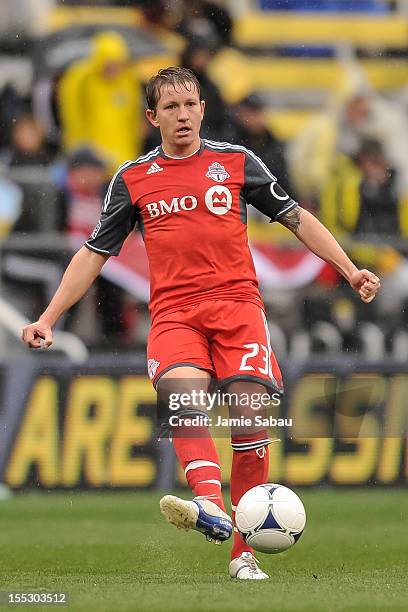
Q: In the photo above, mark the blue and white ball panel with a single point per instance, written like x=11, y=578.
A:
x=288, y=509
x=270, y=541
x=271, y=487
x=252, y=509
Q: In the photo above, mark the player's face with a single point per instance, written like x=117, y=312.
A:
x=179, y=114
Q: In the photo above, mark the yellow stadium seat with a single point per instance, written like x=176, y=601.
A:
x=231, y=70
x=294, y=74
x=266, y=29
x=148, y=66
x=287, y=124
x=66, y=16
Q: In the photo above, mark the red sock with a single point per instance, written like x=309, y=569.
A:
x=250, y=467
x=199, y=460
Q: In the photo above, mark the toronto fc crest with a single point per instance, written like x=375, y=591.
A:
x=152, y=366
x=216, y=172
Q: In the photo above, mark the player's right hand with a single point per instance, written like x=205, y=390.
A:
x=37, y=335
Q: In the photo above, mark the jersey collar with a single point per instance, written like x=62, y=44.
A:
x=197, y=151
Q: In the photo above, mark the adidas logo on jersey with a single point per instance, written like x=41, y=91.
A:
x=154, y=168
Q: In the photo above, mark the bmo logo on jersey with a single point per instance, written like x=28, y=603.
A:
x=218, y=199
x=161, y=207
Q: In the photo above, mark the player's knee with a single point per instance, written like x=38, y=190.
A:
x=248, y=403
x=181, y=406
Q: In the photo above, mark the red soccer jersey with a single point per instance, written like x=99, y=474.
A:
x=192, y=214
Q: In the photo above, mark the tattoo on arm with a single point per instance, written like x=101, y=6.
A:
x=291, y=219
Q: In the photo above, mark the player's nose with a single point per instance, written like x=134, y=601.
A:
x=183, y=114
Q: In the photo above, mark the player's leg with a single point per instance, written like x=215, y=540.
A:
x=179, y=362
x=197, y=454
x=193, y=444
x=250, y=466
x=244, y=363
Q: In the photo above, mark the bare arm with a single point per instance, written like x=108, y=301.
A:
x=79, y=276
x=320, y=241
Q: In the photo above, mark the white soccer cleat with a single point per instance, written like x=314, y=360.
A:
x=199, y=514
x=246, y=567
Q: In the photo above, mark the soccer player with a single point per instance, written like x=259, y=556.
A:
x=189, y=198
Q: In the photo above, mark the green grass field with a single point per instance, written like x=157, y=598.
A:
x=115, y=552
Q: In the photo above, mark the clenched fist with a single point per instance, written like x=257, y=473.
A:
x=366, y=284
x=37, y=335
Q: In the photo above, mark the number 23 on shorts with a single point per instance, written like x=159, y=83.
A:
x=255, y=355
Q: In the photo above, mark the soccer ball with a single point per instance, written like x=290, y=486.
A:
x=270, y=518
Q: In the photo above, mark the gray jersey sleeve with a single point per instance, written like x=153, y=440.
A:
x=262, y=190
x=117, y=220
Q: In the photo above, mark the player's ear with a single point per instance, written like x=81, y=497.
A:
x=151, y=117
x=202, y=103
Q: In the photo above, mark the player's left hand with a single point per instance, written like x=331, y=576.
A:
x=366, y=284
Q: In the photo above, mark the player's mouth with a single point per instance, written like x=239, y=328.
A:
x=183, y=131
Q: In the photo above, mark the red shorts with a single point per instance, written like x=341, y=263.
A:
x=229, y=339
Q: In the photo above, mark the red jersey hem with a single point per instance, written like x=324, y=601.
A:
x=164, y=311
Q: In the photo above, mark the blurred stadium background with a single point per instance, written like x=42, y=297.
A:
x=319, y=90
